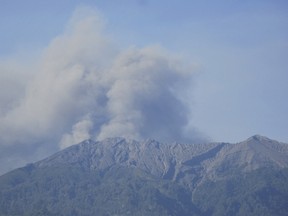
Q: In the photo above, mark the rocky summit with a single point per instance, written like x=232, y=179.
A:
x=118, y=176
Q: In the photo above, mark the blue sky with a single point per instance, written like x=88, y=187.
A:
x=240, y=49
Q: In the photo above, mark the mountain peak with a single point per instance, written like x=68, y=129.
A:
x=258, y=151
x=258, y=138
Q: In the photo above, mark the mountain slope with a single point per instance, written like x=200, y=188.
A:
x=125, y=177
x=251, y=154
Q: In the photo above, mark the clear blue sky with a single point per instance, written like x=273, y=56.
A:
x=239, y=46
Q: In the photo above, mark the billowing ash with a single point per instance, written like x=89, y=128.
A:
x=85, y=87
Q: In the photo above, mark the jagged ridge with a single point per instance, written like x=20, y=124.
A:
x=184, y=163
x=119, y=176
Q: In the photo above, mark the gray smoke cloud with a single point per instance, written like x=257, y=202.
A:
x=85, y=87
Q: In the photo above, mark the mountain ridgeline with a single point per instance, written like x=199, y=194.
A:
x=118, y=176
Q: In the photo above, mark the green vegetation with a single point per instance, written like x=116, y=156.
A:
x=128, y=191
x=73, y=191
x=261, y=192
